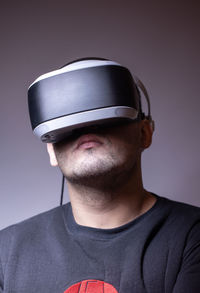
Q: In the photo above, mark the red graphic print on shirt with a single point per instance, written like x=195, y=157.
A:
x=91, y=286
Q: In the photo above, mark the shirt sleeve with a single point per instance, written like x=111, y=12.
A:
x=5, y=240
x=1, y=279
x=188, y=279
x=1, y=274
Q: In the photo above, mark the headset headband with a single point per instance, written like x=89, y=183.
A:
x=83, y=93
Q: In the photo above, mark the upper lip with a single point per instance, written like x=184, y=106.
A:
x=87, y=138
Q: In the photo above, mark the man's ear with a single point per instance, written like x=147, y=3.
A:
x=52, y=156
x=146, y=133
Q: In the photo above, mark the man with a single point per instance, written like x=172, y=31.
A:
x=114, y=236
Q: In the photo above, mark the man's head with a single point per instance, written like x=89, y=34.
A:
x=113, y=131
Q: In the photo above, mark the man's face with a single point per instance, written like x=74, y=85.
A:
x=100, y=154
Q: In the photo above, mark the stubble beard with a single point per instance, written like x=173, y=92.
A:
x=105, y=173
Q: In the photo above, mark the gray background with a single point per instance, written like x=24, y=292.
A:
x=157, y=40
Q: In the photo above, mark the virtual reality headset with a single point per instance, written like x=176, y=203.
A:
x=82, y=94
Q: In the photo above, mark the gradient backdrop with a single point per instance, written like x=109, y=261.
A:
x=157, y=40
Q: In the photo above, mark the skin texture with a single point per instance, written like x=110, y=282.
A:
x=103, y=171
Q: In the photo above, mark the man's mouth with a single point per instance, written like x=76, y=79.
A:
x=88, y=141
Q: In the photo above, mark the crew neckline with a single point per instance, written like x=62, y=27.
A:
x=102, y=234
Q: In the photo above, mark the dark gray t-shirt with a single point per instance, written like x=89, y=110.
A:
x=159, y=252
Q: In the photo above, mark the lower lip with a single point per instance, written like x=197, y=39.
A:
x=89, y=145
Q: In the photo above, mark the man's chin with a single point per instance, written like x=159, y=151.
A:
x=91, y=173
x=89, y=158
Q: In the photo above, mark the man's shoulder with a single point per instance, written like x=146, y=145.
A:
x=180, y=208
x=35, y=224
x=179, y=214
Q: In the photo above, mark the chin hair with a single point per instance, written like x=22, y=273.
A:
x=107, y=179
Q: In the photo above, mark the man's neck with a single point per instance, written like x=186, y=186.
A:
x=107, y=210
